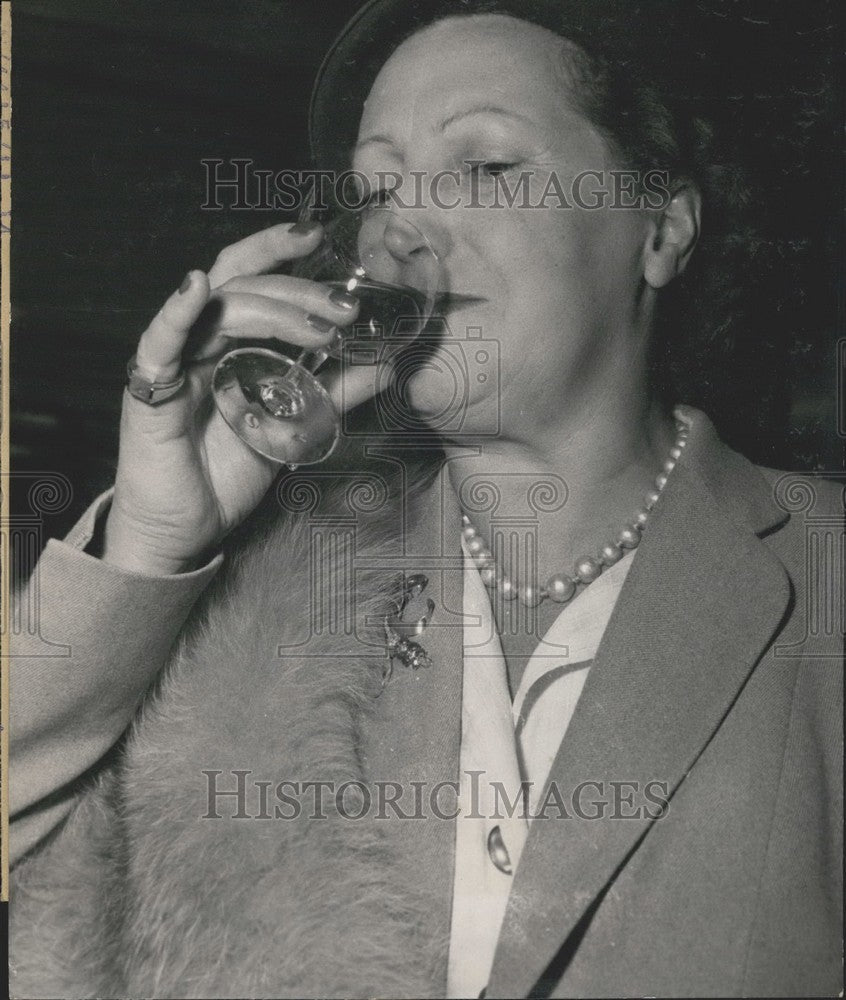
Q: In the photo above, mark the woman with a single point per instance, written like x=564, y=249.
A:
x=288, y=817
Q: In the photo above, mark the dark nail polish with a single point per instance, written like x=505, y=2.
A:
x=186, y=284
x=304, y=228
x=320, y=324
x=343, y=300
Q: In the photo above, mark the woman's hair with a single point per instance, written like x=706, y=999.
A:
x=705, y=313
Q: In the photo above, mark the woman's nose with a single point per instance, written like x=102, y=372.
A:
x=399, y=250
x=404, y=240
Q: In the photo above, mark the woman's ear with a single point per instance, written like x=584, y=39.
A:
x=672, y=236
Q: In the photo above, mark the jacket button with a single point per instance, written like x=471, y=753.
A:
x=498, y=852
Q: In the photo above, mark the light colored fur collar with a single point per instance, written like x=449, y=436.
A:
x=138, y=896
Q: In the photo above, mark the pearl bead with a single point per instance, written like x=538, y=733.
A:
x=641, y=517
x=629, y=537
x=469, y=532
x=669, y=465
x=661, y=481
x=475, y=545
x=507, y=589
x=681, y=442
x=651, y=499
x=560, y=587
x=611, y=554
x=675, y=453
x=488, y=576
x=588, y=569
x=483, y=558
x=530, y=596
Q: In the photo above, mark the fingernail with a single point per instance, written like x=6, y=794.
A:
x=304, y=228
x=342, y=300
x=319, y=323
x=186, y=284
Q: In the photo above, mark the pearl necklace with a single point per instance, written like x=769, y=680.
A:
x=562, y=587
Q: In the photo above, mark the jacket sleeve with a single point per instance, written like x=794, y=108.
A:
x=87, y=641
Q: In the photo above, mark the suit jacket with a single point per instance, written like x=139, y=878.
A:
x=719, y=677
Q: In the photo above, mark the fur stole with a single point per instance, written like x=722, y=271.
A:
x=138, y=895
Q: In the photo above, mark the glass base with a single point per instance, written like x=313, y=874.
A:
x=275, y=406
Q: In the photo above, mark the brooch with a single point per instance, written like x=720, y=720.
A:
x=398, y=642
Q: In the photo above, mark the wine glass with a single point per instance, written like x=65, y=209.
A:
x=274, y=402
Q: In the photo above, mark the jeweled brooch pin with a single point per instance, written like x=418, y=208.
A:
x=399, y=643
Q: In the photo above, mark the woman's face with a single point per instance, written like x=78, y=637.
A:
x=558, y=290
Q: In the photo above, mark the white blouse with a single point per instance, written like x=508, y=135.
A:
x=504, y=744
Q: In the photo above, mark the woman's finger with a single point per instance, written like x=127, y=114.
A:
x=351, y=385
x=238, y=315
x=337, y=305
x=265, y=250
x=159, y=350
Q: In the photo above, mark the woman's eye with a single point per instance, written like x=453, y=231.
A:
x=492, y=168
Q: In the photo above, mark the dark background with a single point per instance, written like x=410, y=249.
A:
x=115, y=104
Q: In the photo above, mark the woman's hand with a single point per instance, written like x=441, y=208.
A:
x=184, y=478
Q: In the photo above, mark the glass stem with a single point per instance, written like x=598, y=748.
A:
x=312, y=361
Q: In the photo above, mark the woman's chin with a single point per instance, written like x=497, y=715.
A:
x=442, y=403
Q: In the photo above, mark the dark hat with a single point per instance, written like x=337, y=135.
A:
x=651, y=38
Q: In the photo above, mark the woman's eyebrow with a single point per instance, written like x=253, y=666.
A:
x=477, y=109
x=383, y=140
x=482, y=109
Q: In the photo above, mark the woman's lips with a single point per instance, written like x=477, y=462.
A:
x=448, y=302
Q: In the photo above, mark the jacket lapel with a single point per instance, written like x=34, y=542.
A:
x=703, y=598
